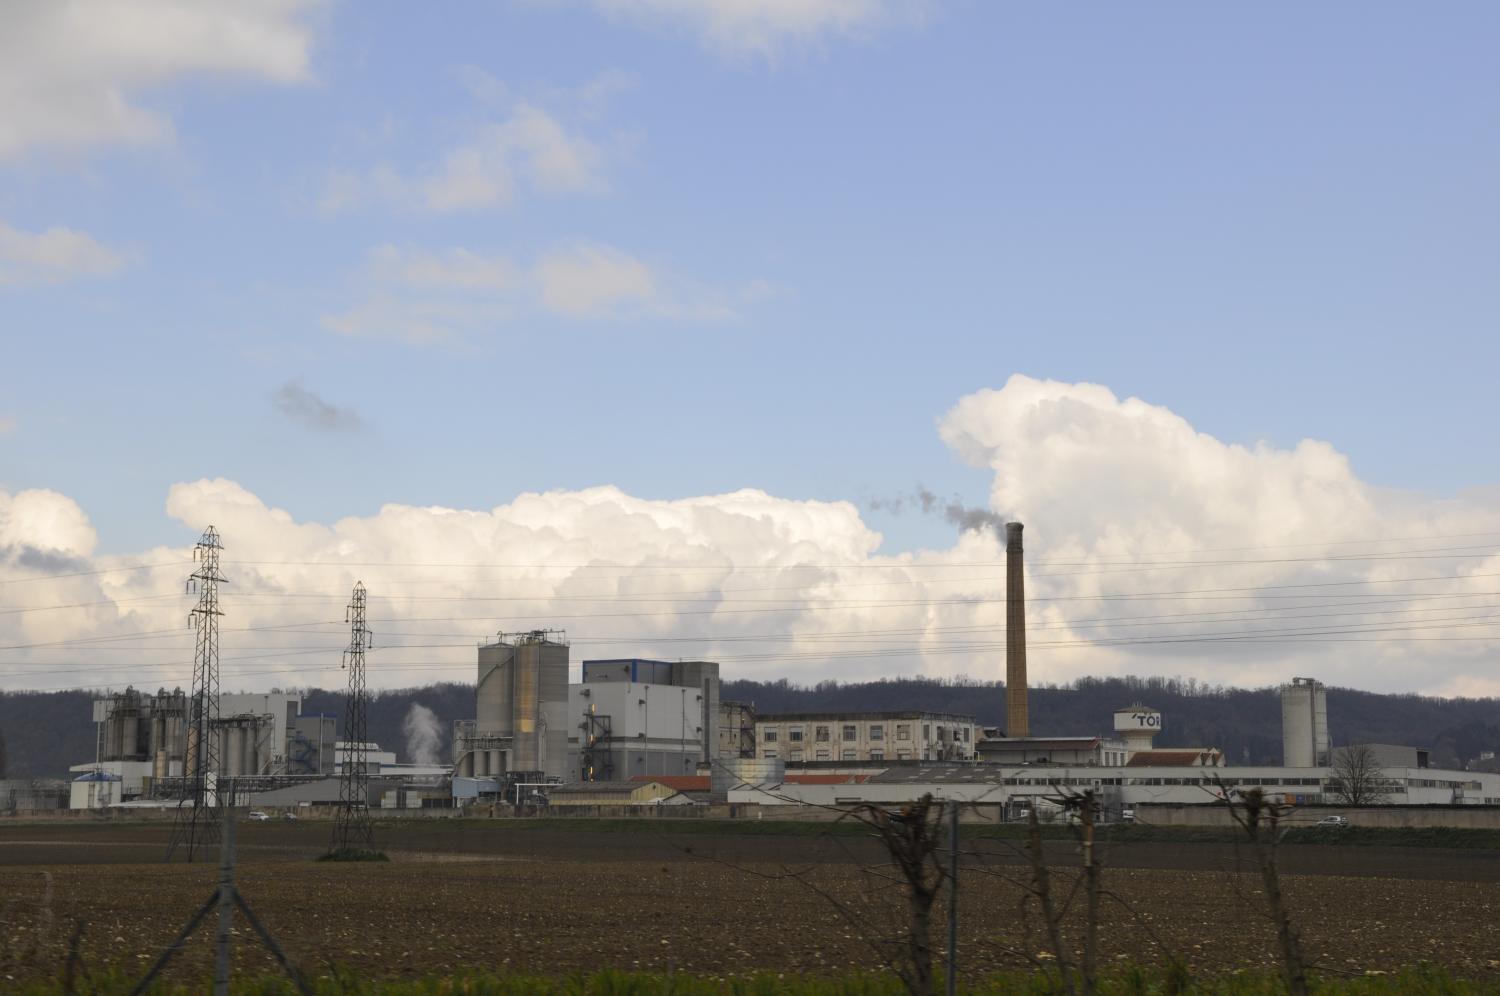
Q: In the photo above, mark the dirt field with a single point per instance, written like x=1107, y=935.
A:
x=550, y=901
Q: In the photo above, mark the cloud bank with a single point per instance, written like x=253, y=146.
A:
x=1152, y=548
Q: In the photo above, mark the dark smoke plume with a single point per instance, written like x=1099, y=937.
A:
x=965, y=517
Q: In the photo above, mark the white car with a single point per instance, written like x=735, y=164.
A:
x=257, y=816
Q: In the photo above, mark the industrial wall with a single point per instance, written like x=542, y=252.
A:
x=653, y=729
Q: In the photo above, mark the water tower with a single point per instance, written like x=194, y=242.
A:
x=1138, y=726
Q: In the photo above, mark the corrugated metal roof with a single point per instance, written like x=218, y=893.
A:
x=810, y=717
x=1165, y=759
x=1040, y=743
x=602, y=788
x=956, y=774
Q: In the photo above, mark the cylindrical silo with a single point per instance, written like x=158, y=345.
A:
x=740, y=772
x=1304, y=724
x=493, y=696
x=232, y=751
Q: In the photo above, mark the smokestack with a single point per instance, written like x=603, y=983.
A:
x=1017, y=723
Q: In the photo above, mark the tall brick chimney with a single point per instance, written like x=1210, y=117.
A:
x=1017, y=721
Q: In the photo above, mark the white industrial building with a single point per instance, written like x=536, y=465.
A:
x=1121, y=786
x=626, y=718
x=632, y=717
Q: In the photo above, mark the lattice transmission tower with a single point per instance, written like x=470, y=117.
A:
x=352, y=828
x=197, y=827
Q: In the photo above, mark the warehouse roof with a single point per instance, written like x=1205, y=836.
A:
x=1041, y=743
x=605, y=788
x=700, y=783
x=833, y=717
x=1190, y=757
x=940, y=773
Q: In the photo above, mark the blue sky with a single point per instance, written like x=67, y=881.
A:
x=349, y=254
x=1279, y=222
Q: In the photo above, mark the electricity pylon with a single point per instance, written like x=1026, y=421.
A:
x=351, y=831
x=198, y=827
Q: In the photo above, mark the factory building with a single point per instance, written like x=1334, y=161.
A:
x=141, y=741
x=310, y=744
x=1305, y=742
x=631, y=717
x=520, y=726
x=798, y=738
x=33, y=795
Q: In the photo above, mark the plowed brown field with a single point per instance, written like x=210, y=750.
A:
x=559, y=901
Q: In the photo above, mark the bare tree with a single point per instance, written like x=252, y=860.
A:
x=1260, y=819
x=1358, y=779
x=917, y=866
x=912, y=838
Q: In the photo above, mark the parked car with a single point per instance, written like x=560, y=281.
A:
x=289, y=817
x=1338, y=822
x=1127, y=815
x=256, y=816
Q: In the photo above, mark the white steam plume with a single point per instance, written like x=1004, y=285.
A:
x=424, y=734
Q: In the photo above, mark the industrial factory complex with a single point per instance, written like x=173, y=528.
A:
x=637, y=732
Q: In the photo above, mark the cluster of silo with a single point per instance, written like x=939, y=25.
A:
x=521, y=703
x=244, y=745
x=125, y=726
x=137, y=727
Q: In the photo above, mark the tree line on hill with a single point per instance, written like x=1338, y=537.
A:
x=1245, y=723
x=45, y=732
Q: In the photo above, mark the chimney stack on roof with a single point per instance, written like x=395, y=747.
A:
x=1017, y=723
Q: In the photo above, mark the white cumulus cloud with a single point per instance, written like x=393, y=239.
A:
x=1152, y=548
x=53, y=255
x=76, y=73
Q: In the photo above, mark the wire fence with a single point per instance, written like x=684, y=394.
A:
x=866, y=889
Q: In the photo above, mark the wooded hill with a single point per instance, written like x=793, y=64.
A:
x=45, y=732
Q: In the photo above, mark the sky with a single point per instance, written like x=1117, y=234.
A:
x=613, y=300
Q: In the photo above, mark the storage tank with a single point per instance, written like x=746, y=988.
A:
x=232, y=751
x=737, y=772
x=492, y=707
x=522, y=693
x=1304, y=724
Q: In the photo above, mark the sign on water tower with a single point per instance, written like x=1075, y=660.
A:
x=1137, y=719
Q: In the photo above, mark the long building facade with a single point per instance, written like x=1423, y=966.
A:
x=865, y=736
x=1127, y=786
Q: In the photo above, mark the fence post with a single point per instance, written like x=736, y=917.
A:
x=953, y=900
x=226, y=905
